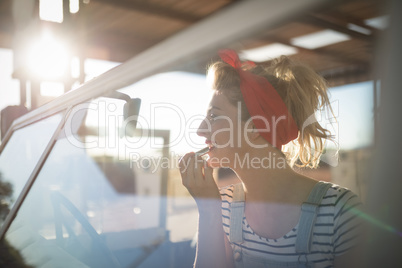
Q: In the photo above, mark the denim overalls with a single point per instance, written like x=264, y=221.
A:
x=304, y=234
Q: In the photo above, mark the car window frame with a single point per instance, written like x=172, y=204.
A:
x=32, y=177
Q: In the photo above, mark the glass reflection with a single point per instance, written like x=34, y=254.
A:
x=98, y=202
x=20, y=156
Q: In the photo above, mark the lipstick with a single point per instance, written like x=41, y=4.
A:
x=202, y=151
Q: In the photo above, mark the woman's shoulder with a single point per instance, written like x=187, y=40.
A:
x=227, y=192
x=339, y=196
x=343, y=204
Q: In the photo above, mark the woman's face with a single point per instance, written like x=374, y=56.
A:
x=223, y=131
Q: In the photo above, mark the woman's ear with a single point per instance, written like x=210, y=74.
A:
x=253, y=132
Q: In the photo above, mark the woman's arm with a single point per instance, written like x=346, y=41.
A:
x=212, y=250
x=349, y=230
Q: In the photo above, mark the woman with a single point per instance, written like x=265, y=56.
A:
x=275, y=216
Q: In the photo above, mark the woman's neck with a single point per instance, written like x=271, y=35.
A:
x=266, y=176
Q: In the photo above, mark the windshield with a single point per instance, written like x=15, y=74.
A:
x=108, y=195
x=20, y=156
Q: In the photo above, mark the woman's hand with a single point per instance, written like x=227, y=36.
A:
x=197, y=178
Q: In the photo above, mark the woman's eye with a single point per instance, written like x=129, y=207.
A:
x=211, y=117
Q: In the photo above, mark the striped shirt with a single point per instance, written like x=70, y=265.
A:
x=335, y=230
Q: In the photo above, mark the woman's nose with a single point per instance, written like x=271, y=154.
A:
x=204, y=128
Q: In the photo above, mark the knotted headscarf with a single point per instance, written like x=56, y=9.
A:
x=266, y=108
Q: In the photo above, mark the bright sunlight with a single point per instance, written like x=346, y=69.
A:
x=48, y=58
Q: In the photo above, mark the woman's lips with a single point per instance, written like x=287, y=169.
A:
x=210, y=144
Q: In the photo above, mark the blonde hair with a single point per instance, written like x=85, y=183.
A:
x=303, y=91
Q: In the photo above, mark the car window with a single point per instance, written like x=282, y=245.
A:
x=20, y=156
x=101, y=200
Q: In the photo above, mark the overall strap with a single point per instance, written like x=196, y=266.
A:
x=236, y=214
x=308, y=216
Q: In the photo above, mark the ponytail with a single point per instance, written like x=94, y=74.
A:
x=304, y=93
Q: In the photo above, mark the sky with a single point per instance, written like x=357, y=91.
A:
x=352, y=104
x=353, y=107
x=9, y=88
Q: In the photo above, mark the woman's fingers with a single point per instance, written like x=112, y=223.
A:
x=186, y=169
x=198, y=179
x=198, y=170
x=192, y=168
x=208, y=171
x=182, y=163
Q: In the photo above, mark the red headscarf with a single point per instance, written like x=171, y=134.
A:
x=267, y=109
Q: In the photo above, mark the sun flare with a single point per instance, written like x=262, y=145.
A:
x=48, y=58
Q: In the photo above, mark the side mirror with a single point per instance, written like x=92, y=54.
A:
x=131, y=110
